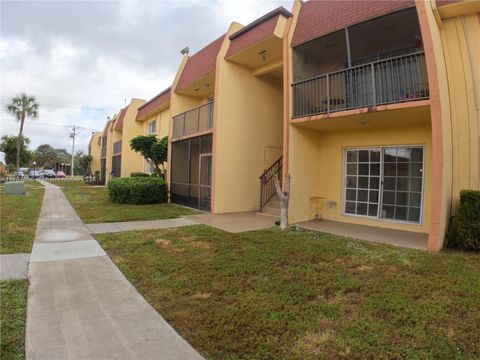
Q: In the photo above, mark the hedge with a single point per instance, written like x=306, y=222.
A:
x=464, y=232
x=139, y=174
x=137, y=190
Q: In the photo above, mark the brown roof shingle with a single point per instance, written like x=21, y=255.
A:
x=318, y=18
x=154, y=103
x=200, y=64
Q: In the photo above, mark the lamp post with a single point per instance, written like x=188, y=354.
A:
x=34, y=174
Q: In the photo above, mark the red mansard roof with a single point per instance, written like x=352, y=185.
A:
x=257, y=30
x=154, y=103
x=200, y=64
x=318, y=18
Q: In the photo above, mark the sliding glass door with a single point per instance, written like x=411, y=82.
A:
x=384, y=183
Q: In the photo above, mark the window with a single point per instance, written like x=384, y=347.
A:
x=152, y=127
x=117, y=147
x=385, y=183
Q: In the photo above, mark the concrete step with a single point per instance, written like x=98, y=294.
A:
x=274, y=203
x=271, y=210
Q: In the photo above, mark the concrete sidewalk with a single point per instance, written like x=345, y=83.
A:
x=102, y=228
x=80, y=306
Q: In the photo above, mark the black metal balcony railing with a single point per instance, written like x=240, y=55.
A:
x=398, y=79
x=193, y=121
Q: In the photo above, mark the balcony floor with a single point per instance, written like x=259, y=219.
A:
x=400, y=238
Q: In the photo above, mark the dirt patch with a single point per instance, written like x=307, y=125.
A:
x=162, y=243
x=201, y=295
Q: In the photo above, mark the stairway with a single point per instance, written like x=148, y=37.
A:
x=272, y=208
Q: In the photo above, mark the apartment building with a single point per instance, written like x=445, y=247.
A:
x=116, y=157
x=95, y=149
x=227, y=108
x=371, y=107
x=156, y=117
x=381, y=120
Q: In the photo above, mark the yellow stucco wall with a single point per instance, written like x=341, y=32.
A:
x=248, y=134
x=317, y=165
x=111, y=138
x=162, y=127
x=162, y=119
x=461, y=39
x=131, y=161
x=95, y=151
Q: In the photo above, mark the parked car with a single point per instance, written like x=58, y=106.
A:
x=35, y=174
x=18, y=175
x=24, y=170
x=49, y=174
x=60, y=175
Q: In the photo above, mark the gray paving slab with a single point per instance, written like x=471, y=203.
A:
x=13, y=266
x=65, y=250
x=235, y=222
x=400, y=238
x=139, y=225
x=86, y=309
x=102, y=228
x=80, y=306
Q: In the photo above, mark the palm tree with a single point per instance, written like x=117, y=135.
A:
x=21, y=107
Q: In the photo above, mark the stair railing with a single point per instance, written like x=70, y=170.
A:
x=267, y=182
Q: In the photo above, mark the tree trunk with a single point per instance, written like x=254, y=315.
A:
x=19, y=140
x=284, y=199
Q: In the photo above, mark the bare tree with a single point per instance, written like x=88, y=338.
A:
x=284, y=199
x=21, y=107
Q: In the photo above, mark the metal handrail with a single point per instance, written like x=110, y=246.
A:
x=392, y=80
x=267, y=182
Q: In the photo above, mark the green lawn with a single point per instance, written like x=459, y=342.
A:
x=19, y=216
x=13, y=313
x=93, y=206
x=304, y=295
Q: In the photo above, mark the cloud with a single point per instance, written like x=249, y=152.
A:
x=83, y=59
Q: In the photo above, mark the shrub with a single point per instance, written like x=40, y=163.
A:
x=137, y=190
x=464, y=232
x=139, y=174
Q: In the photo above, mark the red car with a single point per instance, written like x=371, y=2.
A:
x=60, y=175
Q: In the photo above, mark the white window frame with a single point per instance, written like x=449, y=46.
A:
x=380, y=195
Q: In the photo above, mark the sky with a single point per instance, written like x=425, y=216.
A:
x=83, y=60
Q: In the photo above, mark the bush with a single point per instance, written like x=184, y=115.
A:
x=139, y=174
x=137, y=190
x=464, y=232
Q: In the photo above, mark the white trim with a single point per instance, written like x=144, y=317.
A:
x=380, y=195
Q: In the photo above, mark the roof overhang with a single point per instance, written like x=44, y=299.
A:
x=259, y=45
x=459, y=8
x=155, y=105
x=203, y=87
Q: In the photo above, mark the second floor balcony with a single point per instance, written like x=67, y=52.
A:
x=193, y=121
x=393, y=80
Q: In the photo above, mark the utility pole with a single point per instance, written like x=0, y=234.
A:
x=72, y=135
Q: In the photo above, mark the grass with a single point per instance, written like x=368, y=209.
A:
x=304, y=295
x=93, y=205
x=13, y=313
x=19, y=216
